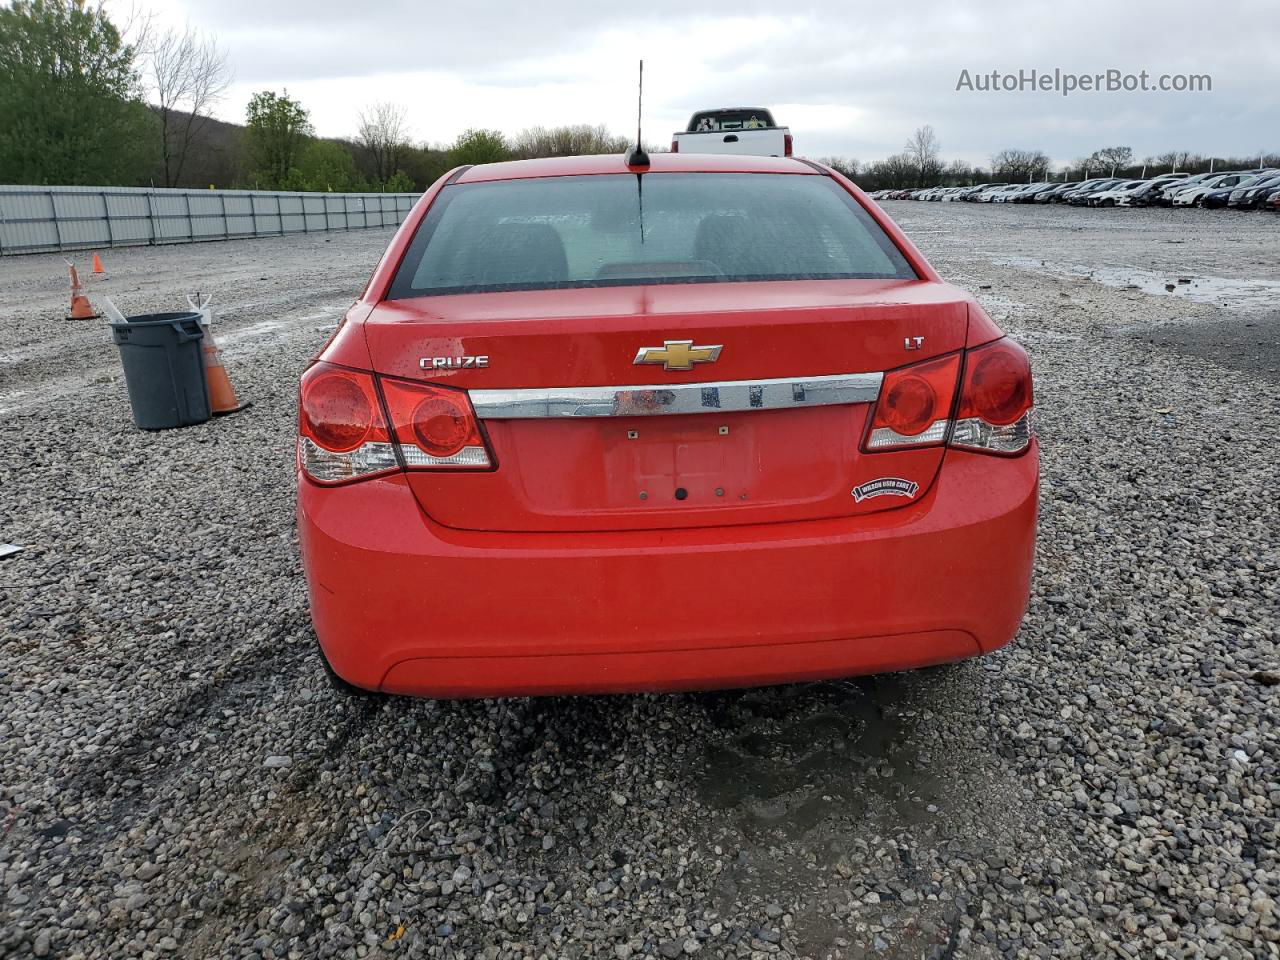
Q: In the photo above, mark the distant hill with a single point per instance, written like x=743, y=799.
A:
x=219, y=157
x=216, y=157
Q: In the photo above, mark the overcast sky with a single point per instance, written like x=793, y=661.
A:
x=849, y=79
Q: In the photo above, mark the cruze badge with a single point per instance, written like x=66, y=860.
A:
x=678, y=354
x=453, y=363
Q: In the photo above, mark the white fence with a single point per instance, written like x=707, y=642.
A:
x=40, y=219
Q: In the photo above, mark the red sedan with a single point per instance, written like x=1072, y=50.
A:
x=710, y=421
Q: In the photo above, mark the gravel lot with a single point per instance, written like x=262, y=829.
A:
x=177, y=778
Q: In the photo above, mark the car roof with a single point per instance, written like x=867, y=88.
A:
x=616, y=163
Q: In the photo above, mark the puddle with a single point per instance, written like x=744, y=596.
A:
x=1047, y=336
x=820, y=777
x=999, y=308
x=323, y=322
x=795, y=757
x=1218, y=291
x=1248, y=342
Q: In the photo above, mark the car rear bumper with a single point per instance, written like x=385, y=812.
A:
x=404, y=605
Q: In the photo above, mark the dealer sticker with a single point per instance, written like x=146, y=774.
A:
x=885, y=487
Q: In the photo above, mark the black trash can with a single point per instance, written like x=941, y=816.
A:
x=164, y=369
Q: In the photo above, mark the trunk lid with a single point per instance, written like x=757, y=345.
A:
x=762, y=455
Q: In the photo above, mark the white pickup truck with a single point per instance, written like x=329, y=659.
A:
x=746, y=130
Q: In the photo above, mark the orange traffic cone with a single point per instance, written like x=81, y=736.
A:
x=80, y=306
x=97, y=265
x=222, y=396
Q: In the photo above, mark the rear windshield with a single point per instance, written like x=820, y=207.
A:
x=730, y=120
x=624, y=229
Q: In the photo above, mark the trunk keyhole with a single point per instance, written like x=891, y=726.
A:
x=681, y=493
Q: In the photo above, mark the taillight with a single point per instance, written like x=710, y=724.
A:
x=675, y=146
x=435, y=426
x=786, y=144
x=993, y=412
x=914, y=408
x=341, y=432
x=996, y=401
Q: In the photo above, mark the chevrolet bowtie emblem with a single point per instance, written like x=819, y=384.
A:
x=678, y=354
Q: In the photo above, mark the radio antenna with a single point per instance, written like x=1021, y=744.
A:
x=637, y=157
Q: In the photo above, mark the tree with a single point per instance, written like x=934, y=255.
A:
x=324, y=166
x=425, y=165
x=1114, y=157
x=479, y=146
x=398, y=182
x=384, y=136
x=896, y=171
x=845, y=166
x=571, y=141
x=922, y=148
x=960, y=173
x=278, y=128
x=1178, y=159
x=1018, y=165
x=69, y=97
x=187, y=74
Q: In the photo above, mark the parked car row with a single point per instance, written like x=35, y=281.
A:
x=1237, y=189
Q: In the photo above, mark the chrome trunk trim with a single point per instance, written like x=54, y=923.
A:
x=785, y=393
